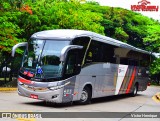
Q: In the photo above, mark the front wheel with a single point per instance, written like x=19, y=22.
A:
x=85, y=96
x=135, y=89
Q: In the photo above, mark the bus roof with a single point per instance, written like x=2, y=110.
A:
x=71, y=34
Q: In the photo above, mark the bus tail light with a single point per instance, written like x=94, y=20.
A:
x=149, y=84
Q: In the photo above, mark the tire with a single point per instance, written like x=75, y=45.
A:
x=135, y=89
x=85, y=96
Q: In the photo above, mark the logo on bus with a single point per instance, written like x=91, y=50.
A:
x=144, y=5
x=120, y=70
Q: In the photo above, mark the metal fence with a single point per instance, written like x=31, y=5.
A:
x=8, y=70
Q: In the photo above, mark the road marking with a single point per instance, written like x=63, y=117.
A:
x=7, y=89
x=26, y=119
x=156, y=97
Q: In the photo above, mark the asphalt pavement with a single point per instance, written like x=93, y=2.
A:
x=113, y=108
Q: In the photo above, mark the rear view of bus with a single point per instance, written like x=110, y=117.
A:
x=75, y=65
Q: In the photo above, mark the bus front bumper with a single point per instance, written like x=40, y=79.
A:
x=54, y=96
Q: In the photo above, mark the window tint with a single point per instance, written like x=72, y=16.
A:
x=132, y=62
x=124, y=61
x=83, y=41
x=100, y=52
x=129, y=61
x=138, y=59
x=144, y=63
x=94, y=53
x=71, y=63
x=108, y=53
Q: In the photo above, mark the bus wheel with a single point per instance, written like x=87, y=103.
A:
x=135, y=89
x=85, y=96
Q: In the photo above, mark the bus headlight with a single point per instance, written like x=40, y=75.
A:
x=58, y=87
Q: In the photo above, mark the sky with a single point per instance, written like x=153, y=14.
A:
x=127, y=5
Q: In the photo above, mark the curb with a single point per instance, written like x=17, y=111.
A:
x=8, y=89
x=156, y=97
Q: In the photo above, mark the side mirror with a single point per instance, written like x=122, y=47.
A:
x=17, y=46
x=66, y=49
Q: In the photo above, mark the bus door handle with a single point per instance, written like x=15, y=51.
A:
x=93, y=76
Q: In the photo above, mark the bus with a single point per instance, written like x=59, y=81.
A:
x=66, y=65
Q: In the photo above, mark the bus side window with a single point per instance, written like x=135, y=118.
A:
x=144, y=63
x=108, y=53
x=82, y=41
x=132, y=62
x=100, y=52
x=145, y=60
x=94, y=53
x=124, y=61
x=128, y=61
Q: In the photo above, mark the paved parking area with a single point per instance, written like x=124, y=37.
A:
x=143, y=102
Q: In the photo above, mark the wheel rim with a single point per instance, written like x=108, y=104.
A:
x=84, y=96
x=135, y=90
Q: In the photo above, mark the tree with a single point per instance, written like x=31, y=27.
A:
x=21, y=18
x=9, y=28
x=152, y=40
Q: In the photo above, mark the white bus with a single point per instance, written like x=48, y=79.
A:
x=76, y=65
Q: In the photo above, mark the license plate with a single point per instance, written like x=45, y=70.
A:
x=34, y=96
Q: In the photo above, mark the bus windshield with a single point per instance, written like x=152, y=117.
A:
x=42, y=59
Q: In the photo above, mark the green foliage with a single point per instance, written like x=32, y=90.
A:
x=155, y=67
x=21, y=18
x=153, y=38
x=10, y=31
x=120, y=34
x=66, y=15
